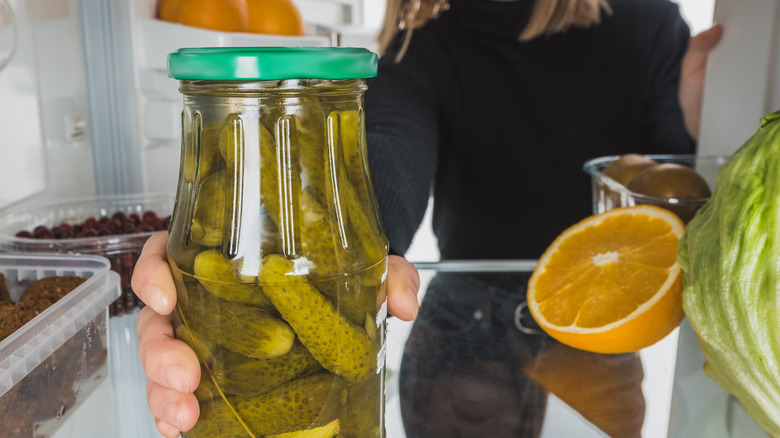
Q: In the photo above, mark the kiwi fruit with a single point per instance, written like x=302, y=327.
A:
x=669, y=180
x=625, y=167
x=672, y=180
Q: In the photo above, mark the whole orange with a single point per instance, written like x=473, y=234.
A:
x=221, y=15
x=168, y=10
x=278, y=17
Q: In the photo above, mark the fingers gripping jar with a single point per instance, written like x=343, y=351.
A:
x=276, y=246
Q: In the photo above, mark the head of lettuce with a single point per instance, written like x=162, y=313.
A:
x=730, y=261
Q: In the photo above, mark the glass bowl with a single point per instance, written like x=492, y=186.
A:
x=609, y=194
x=121, y=250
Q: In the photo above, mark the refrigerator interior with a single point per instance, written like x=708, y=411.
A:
x=87, y=107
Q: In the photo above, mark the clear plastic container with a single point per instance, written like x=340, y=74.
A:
x=609, y=194
x=52, y=363
x=121, y=250
x=276, y=246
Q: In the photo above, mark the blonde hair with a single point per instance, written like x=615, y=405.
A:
x=548, y=17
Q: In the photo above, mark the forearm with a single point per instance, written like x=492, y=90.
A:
x=401, y=172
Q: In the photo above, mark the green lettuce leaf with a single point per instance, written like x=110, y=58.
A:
x=730, y=261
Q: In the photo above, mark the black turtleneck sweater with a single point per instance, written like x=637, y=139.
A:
x=499, y=129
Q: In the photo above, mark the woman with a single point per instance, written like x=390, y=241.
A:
x=496, y=105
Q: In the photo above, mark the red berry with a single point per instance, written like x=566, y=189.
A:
x=24, y=234
x=150, y=218
x=114, y=225
x=42, y=232
x=89, y=232
x=63, y=233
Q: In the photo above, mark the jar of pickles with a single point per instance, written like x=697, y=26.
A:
x=276, y=245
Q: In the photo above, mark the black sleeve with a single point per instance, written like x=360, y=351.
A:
x=402, y=139
x=664, y=127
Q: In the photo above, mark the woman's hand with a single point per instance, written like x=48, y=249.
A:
x=694, y=67
x=172, y=368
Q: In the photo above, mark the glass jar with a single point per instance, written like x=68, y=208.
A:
x=276, y=246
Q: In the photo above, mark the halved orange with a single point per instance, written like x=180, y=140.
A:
x=611, y=283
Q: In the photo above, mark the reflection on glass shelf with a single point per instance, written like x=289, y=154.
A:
x=466, y=337
x=700, y=408
x=129, y=380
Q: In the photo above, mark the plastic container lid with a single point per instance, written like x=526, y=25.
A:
x=271, y=63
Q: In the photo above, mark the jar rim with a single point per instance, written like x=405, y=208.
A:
x=271, y=63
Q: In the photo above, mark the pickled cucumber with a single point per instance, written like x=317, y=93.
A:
x=277, y=189
x=349, y=297
x=201, y=138
x=209, y=212
x=248, y=330
x=362, y=412
x=231, y=141
x=220, y=277
x=340, y=346
x=240, y=375
x=304, y=403
x=217, y=420
x=329, y=430
x=320, y=239
x=351, y=136
x=344, y=142
x=200, y=344
x=206, y=392
x=309, y=123
x=306, y=228
x=368, y=232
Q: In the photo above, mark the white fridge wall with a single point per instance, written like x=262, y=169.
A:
x=743, y=82
x=63, y=103
x=697, y=13
x=22, y=170
x=42, y=105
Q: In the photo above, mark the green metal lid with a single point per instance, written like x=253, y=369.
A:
x=271, y=63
